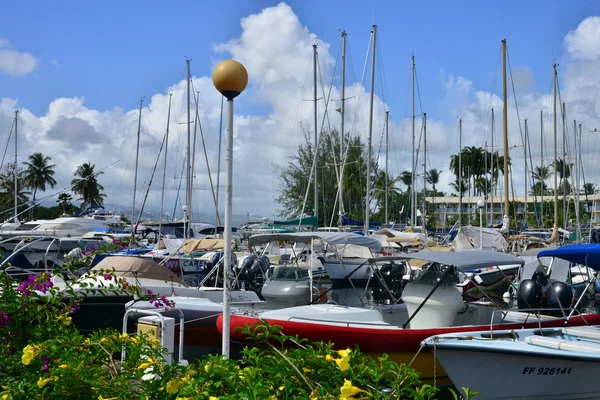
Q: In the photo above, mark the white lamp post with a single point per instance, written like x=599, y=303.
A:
x=230, y=79
x=480, y=205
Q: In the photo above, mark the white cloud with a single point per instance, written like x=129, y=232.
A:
x=13, y=62
x=584, y=42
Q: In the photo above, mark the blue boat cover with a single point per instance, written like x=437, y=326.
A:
x=584, y=254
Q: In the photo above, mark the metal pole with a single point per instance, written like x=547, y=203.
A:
x=188, y=160
x=342, y=109
x=368, y=196
x=316, y=161
x=480, y=228
x=485, y=159
x=564, y=165
x=505, y=120
x=555, y=228
x=162, y=196
x=219, y=156
x=526, y=172
x=137, y=155
x=387, y=115
x=16, y=170
x=577, y=172
x=424, y=212
x=542, y=165
x=460, y=196
x=413, y=168
x=227, y=228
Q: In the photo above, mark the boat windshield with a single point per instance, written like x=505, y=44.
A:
x=289, y=273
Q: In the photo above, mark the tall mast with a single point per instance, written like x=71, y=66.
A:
x=219, y=159
x=412, y=171
x=368, y=197
x=193, y=165
x=526, y=174
x=460, y=195
x=387, y=146
x=16, y=169
x=342, y=109
x=554, y=236
x=487, y=190
x=137, y=155
x=577, y=172
x=494, y=167
x=188, y=175
x=564, y=164
x=316, y=170
x=162, y=196
x=542, y=165
x=424, y=212
x=505, y=120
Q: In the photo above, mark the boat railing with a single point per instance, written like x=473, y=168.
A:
x=536, y=312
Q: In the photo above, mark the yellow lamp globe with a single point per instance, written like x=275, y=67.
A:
x=230, y=78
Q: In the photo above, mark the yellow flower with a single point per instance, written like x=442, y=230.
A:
x=344, y=353
x=328, y=357
x=190, y=373
x=63, y=366
x=347, y=391
x=207, y=367
x=281, y=388
x=124, y=335
x=145, y=365
x=42, y=382
x=68, y=321
x=213, y=398
x=29, y=353
x=343, y=363
x=306, y=370
x=173, y=386
x=5, y=396
x=155, y=342
x=106, y=398
x=184, y=398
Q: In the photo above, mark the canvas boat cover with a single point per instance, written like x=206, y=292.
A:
x=467, y=238
x=584, y=254
x=334, y=238
x=192, y=245
x=138, y=267
x=464, y=261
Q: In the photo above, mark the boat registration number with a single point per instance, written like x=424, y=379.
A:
x=546, y=371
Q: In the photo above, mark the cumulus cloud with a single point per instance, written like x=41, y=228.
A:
x=13, y=62
x=276, y=49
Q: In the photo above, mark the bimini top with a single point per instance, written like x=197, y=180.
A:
x=463, y=260
x=584, y=254
x=137, y=267
x=337, y=238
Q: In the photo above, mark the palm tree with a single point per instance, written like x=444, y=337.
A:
x=379, y=192
x=7, y=187
x=564, y=172
x=589, y=188
x=460, y=189
x=433, y=178
x=64, y=200
x=86, y=185
x=38, y=173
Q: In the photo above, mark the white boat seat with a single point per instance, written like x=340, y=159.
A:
x=584, y=332
x=562, y=344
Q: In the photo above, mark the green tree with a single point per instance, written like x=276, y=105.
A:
x=86, y=185
x=38, y=173
x=64, y=201
x=7, y=188
x=589, y=188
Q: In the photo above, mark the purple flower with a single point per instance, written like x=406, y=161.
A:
x=26, y=293
x=148, y=291
x=45, y=367
x=45, y=359
x=92, y=248
x=108, y=277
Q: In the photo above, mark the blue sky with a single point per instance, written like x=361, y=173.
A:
x=94, y=60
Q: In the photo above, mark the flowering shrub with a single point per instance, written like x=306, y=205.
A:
x=43, y=355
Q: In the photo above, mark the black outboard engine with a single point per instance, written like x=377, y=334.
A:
x=529, y=294
x=391, y=273
x=559, y=295
x=248, y=262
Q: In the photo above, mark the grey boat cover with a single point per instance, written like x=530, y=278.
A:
x=335, y=238
x=463, y=260
x=138, y=267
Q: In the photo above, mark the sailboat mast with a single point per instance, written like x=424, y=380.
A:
x=577, y=160
x=542, y=165
x=162, y=195
x=316, y=170
x=526, y=174
x=188, y=175
x=505, y=120
x=16, y=169
x=554, y=236
x=564, y=164
x=412, y=171
x=387, y=147
x=460, y=193
x=137, y=155
x=494, y=167
x=368, y=196
x=424, y=212
x=342, y=109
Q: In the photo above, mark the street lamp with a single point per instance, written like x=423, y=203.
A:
x=230, y=79
x=480, y=205
x=184, y=208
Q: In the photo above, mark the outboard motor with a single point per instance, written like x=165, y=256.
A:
x=529, y=294
x=560, y=295
x=392, y=274
x=248, y=262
